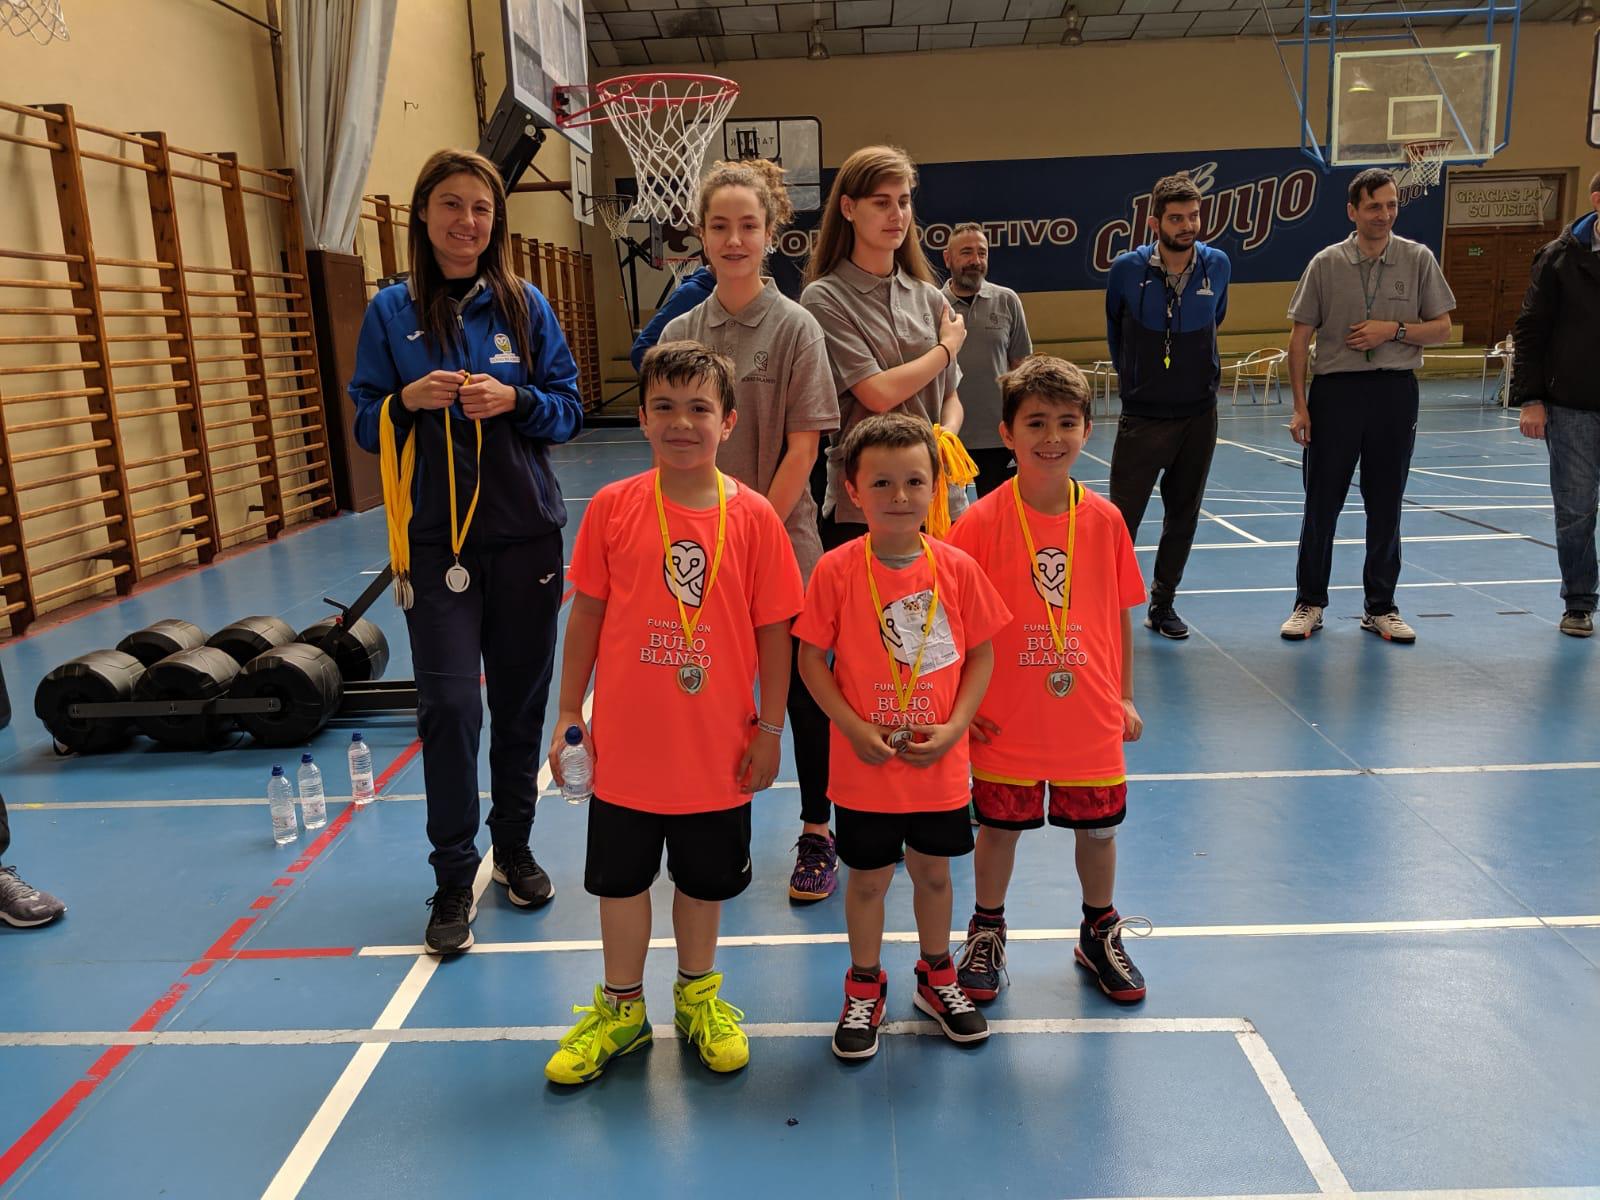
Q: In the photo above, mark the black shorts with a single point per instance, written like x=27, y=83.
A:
x=708, y=853
x=866, y=841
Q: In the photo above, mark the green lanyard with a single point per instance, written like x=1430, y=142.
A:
x=1372, y=296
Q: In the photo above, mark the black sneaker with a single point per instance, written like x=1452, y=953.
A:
x=939, y=994
x=857, y=1033
x=1166, y=622
x=1099, y=951
x=982, y=960
x=525, y=880
x=450, y=925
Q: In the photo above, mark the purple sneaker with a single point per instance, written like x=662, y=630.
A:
x=816, y=869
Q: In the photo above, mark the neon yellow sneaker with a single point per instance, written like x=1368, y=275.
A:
x=710, y=1023
x=601, y=1033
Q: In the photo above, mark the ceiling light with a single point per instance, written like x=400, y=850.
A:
x=1358, y=83
x=1584, y=14
x=1073, y=35
x=816, y=48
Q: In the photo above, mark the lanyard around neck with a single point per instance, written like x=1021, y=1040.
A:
x=1058, y=633
x=903, y=691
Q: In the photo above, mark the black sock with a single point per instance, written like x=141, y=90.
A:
x=685, y=977
x=990, y=916
x=937, y=962
x=865, y=974
x=1093, y=915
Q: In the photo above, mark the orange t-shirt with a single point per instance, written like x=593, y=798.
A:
x=1073, y=738
x=840, y=616
x=656, y=747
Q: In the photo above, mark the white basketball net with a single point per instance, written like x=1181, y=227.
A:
x=681, y=268
x=667, y=126
x=1424, y=161
x=39, y=19
x=615, y=211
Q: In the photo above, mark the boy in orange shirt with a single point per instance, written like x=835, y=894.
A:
x=908, y=620
x=685, y=585
x=1060, y=704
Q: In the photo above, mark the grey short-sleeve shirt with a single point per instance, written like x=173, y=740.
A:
x=997, y=336
x=782, y=385
x=872, y=324
x=1404, y=283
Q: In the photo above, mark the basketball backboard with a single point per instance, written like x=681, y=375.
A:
x=1383, y=99
x=545, y=49
x=1594, y=97
x=794, y=143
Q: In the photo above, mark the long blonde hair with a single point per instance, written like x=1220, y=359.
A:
x=860, y=176
x=495, y=265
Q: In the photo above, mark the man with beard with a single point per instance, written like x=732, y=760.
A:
x=997, y=341
x=1164, y=302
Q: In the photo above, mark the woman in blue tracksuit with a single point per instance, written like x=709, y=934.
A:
x=464, y=365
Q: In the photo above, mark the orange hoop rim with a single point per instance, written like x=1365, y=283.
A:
x=626, y=89
x=1425, y=149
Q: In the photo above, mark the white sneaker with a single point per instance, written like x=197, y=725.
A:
x=1389, y=627
x=1303, y=622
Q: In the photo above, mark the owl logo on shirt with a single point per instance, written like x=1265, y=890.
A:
x=1051, y=574
x=503, y=351
x=901, y=631
x=1399, y=287
x=761, y=360
x=685, y=572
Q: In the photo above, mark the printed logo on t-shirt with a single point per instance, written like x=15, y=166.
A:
x=759, y=373
x=502, y=343
x=904, y=620
x=1399, y=287
x=685, y=571
x=1052, y=573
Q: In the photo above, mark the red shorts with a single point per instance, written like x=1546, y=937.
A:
x=1021, y=806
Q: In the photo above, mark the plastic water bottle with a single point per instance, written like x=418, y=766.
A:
x=280, y=796
x=361, y=789
x=313, y=807
x=576, y=770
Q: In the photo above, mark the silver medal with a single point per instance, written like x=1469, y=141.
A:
x=691, y=679
x=1059, y=683
x=900, y=739
x=403, y=595
x=457, y=579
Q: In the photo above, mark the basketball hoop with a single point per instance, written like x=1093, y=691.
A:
x=39, y=19
x=666, y=121
x=1424, y=161
x=615, y=211
x=681, y=268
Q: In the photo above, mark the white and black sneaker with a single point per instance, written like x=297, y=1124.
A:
x=23, y=905
x=526, y=884
x=940, y=995
x=856, y=1036
x=450, y=925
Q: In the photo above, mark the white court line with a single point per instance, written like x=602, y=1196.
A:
x=1232, y=528
x=1357, y=511
x=1272, y=454
x=1164, y=777
x=1259, y=544
x=905, y=937
x=1437, y=474
x=318, y=1134
x=1319, y=1159
x=1356, y=587
x=552, y=1033
x=1512, y=1193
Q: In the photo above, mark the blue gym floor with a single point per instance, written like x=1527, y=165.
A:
x=1372, y=871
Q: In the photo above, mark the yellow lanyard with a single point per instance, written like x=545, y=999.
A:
x=902, y=693
x=458, y=538
x=716, y=561
x=397, y=467
x=1058, y=634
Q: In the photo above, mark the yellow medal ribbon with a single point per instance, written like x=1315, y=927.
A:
x=458, y=537
x=956, y=467
x=1058, y=634
x=397, y=466
x=716, y=563
x=902, y=693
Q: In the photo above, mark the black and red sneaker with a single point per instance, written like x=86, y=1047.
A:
x=857, y=1033
x=940, y=995
x=981, y=963
x=1099, y=951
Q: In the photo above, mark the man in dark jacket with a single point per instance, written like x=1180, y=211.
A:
x=1555, y=379
x=1164, y=302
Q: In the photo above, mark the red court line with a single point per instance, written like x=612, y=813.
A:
x=297, y=952
x=56, y=1115
x=262, y=902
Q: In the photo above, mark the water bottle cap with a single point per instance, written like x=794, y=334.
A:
x=277, y=769
x=574, y=736
x=305, y=758
x=356, y=737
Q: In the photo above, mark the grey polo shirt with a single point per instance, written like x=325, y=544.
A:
x=872, y=324
x=1404, y=283
x=781, y=386
x=997, y=336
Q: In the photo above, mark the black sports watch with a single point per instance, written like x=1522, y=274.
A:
x=1400, y=333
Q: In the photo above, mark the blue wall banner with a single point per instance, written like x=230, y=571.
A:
x=1056, y=224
